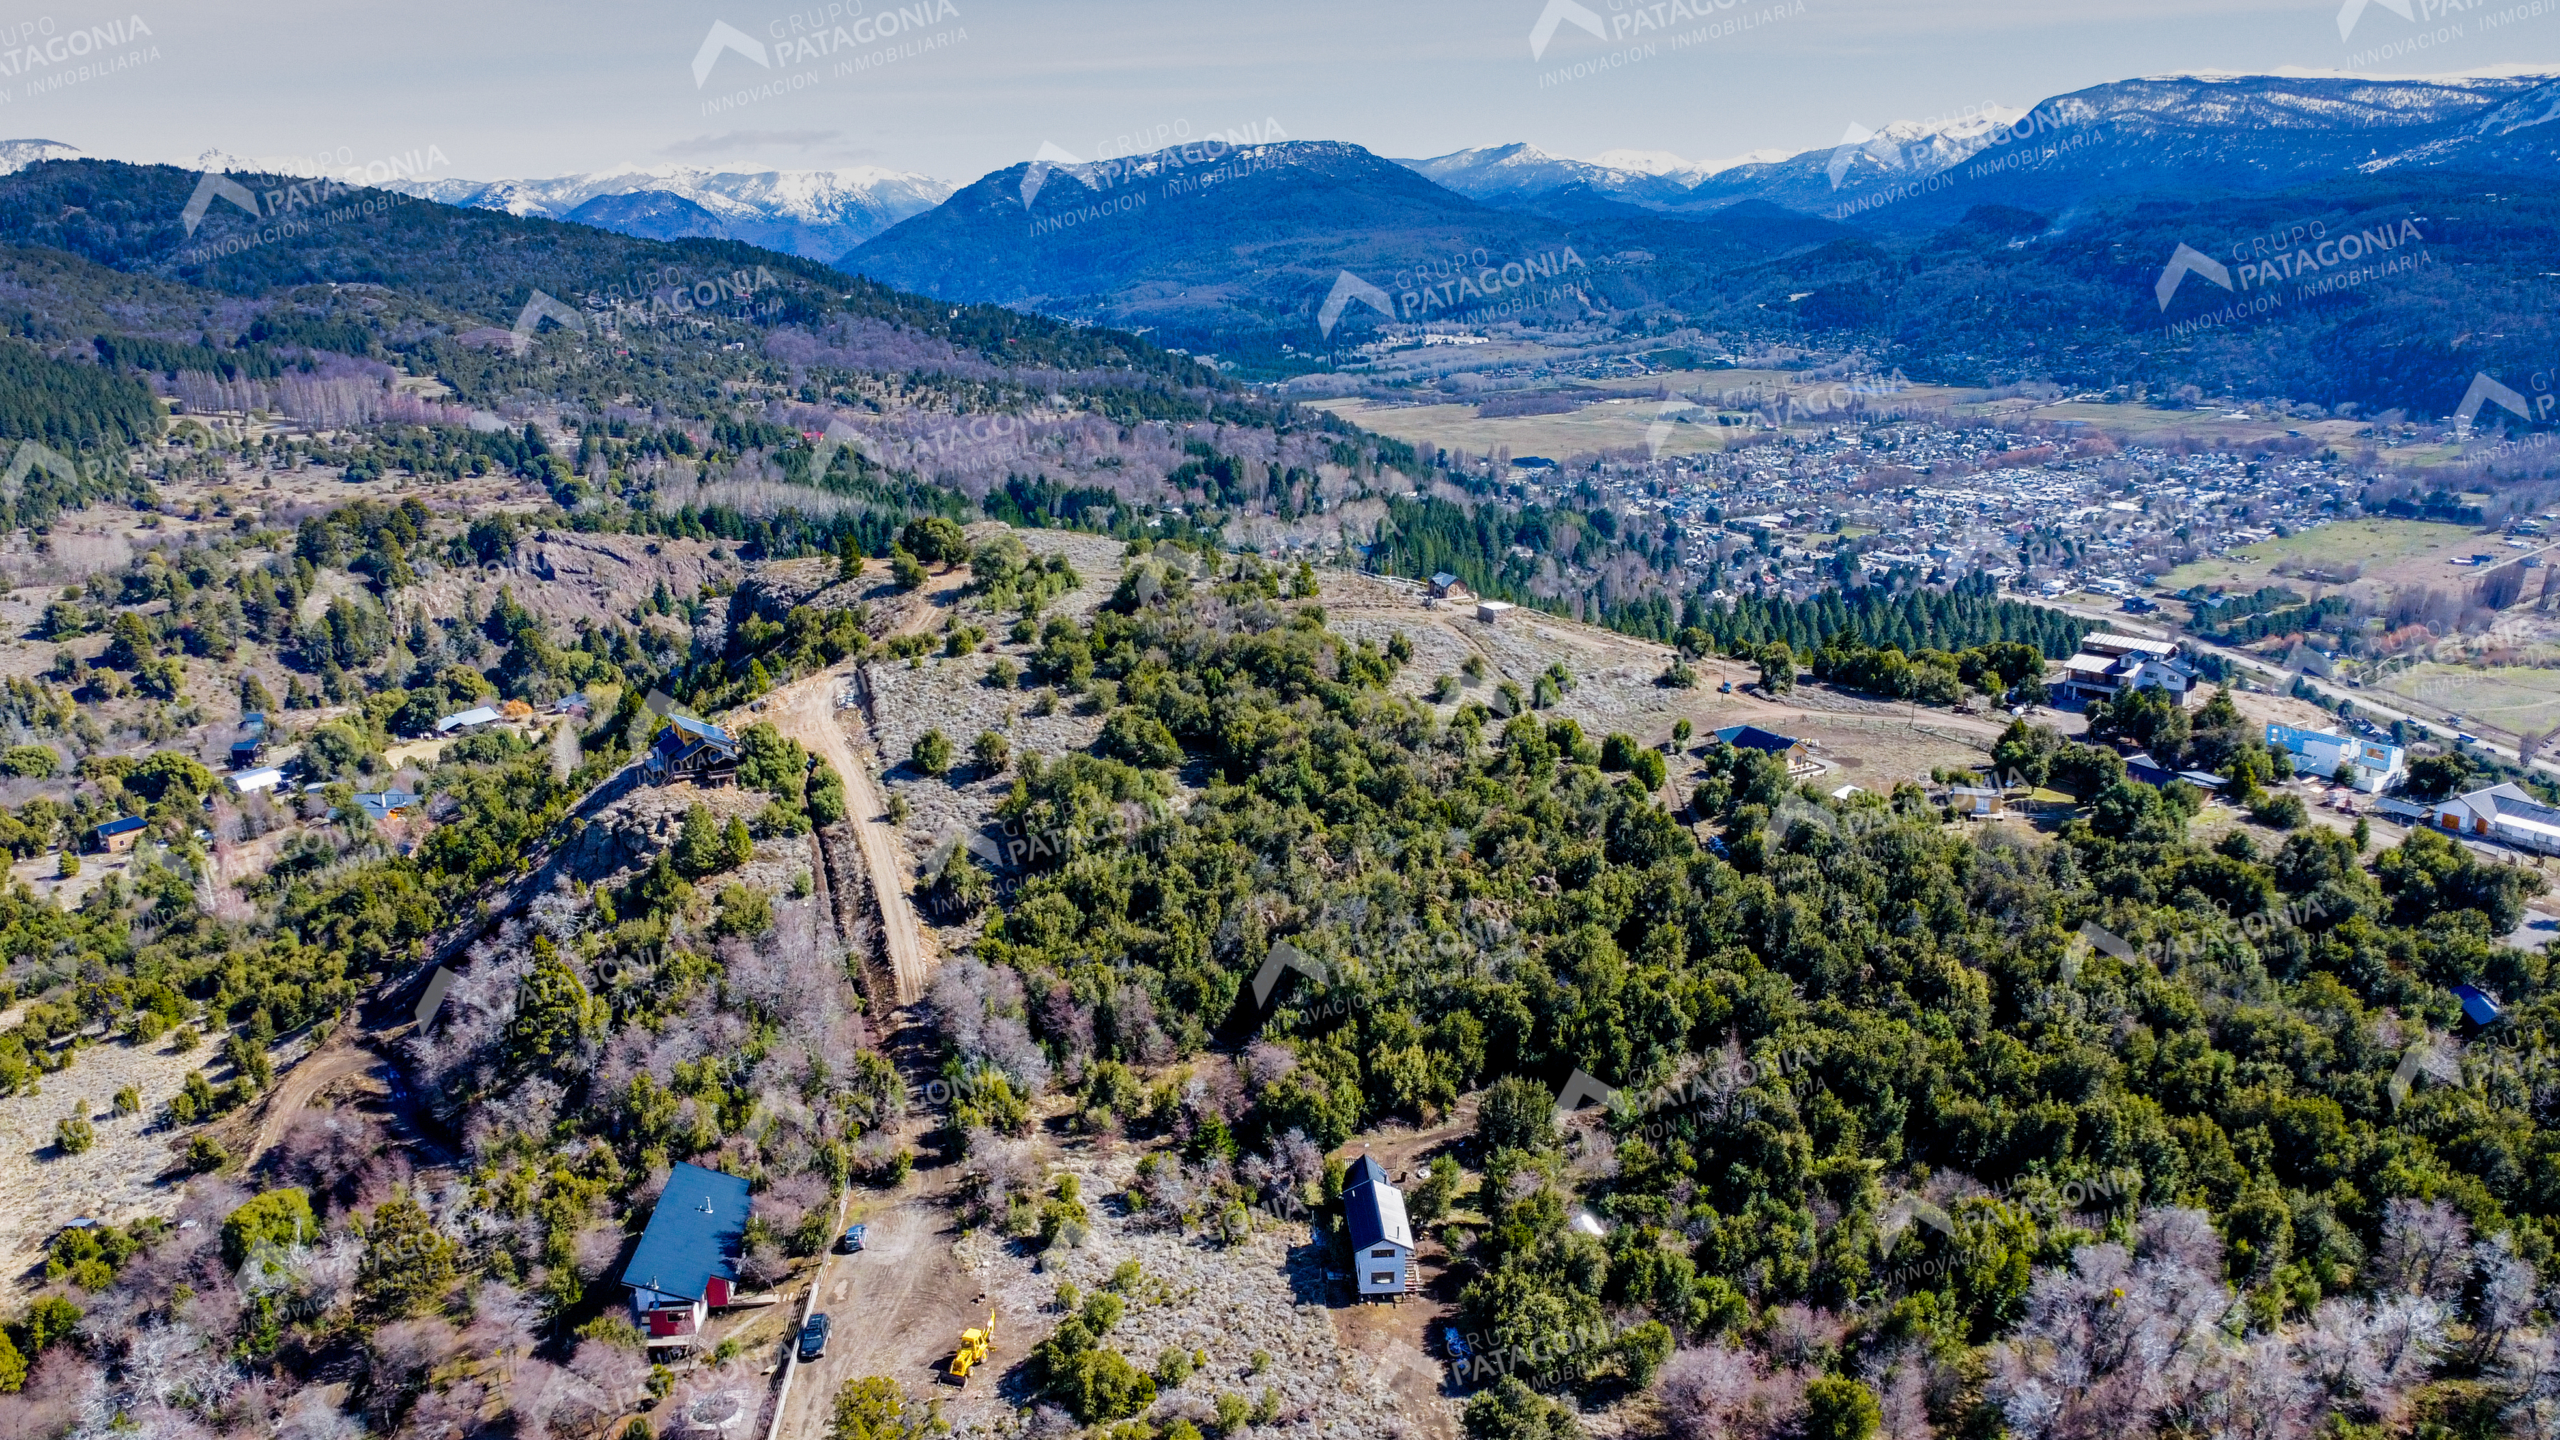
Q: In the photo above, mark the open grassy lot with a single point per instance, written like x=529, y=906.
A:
x=2511, y=697
x=2403, y=551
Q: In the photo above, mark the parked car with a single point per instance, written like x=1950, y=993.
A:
x=813, y=1338
x=852, y=1240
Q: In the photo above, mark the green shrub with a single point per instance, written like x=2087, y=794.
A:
x=279, y=1218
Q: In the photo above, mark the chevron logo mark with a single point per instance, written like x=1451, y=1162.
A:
x=1897, y=1217
x=2106, y=940
x=33, y=456
x=2482, y=391
x=725, y=36
x=1348, y=287
x=433, y=1000
x=2353, y=11
x=1659, y=432
x=538, y=309
x=839, y=436
x=2427, y=1056
x=1285, y=956
x=1037, y=174
x=1557, y=13
x=216, y=186
x=2187, y=260
x=1846, y=152
x=1581, y=1090
x=976, y=842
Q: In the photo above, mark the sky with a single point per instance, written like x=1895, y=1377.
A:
x=958, y=88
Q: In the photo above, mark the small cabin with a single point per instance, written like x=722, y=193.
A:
x=251, y=743
x=1796, y=753
x=1381, y=1238
x=686, y=1264
x=1445, y=586
x=1978, y=802
x=380, y=806
x=695, y=750
x=479, y=717
x=117, y=836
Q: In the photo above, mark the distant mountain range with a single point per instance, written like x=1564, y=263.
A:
x=819, y=214
x=2181, y=135
x=1208, y=248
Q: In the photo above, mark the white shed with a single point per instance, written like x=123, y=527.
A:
x=1489, y=611
x=1381, y=1239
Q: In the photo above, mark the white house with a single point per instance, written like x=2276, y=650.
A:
x=1381, y=1240
x=2377, y=762
x=2109, y=665
x=2505, y=813
x=468, y=720
x=253, y=782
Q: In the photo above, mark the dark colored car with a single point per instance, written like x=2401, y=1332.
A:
x=813, y=1338
x=852, y=1240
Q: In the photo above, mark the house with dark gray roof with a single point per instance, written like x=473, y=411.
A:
x=690, y=749
x=1797, y=755
x=1381, y=1239
x=687, y=1263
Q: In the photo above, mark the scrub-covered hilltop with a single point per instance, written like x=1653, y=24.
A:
x=1892, y=1137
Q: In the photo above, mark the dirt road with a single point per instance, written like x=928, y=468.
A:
x=899, y=1307
x=805, y=710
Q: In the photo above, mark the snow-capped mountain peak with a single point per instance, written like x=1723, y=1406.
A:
x=17, y=155
x=817, y=213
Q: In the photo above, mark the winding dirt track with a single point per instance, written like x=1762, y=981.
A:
x=805, y=710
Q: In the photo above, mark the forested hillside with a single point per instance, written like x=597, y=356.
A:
x=1852, y=1017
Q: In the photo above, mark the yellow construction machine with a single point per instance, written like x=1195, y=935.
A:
x=974, y=1345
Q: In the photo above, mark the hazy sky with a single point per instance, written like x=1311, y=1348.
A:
x=524, y=89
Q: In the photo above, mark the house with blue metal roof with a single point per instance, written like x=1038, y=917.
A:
x=118, y=835
x=690, y=749
x=380, y=805
x=1381, y=1238
x=687, y=1263
x=1796, y=753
